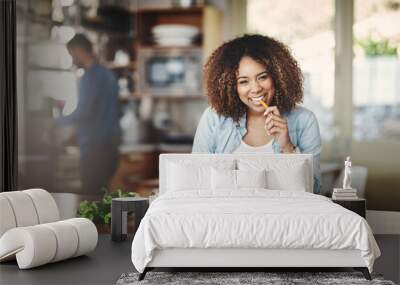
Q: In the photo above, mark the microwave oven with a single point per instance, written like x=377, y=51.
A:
x=170, y=71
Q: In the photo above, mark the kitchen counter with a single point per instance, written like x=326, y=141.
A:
x=128, y=148
x=162, y=148
x=326, y=167
x=141, y=160
x=175, y=148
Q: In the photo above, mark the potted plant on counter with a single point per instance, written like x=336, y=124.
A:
x=100, y=211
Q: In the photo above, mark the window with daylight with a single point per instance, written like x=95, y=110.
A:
x=310, y=36
x=376, y=70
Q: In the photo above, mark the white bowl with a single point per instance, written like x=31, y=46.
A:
x=173, y=41
x=175, y=30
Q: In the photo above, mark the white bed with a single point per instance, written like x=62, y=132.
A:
x=221, y=211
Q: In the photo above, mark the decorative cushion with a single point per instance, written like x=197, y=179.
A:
x=193, y=175
x=183, y=178
x=223, y=179
x=251, y=178
x=294, y=180
x=285, y=174
x=226, y=179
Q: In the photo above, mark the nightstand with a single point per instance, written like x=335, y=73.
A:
x=119, y=215
x=358, y=206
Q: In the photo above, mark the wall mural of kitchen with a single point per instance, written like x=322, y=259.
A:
x=150, y=56
x=144, y=57
x=106, y=86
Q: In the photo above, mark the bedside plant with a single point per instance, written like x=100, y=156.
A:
x=100, y=211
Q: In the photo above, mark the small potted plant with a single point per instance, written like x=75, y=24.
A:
x=100, y=211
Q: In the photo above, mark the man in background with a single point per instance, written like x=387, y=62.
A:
x=96, y=117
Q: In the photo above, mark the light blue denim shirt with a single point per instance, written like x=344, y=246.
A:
x=219, y=134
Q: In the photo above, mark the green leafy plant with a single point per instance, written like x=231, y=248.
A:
x=374, y=47
x=100, y=211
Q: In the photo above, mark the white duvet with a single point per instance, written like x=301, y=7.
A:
x=251, y=218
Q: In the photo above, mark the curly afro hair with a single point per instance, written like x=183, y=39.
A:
x=221, y=68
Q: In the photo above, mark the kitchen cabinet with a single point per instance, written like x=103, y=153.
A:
x=207, y=19
x=137, y=163
x=138, y=166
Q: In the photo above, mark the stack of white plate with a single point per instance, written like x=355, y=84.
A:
x=174, y=34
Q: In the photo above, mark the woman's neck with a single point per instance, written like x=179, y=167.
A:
x=256, y=134
x=255, y=118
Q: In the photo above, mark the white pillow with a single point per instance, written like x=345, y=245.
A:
x=181, y=177
x=223, y=179
x=282, y=174
x=293, y=180
x=251, y=178
x=193, y=174
x=226, y=179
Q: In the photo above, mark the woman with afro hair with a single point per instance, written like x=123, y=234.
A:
x=238, y=75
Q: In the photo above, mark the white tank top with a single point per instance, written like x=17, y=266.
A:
x=245, y=148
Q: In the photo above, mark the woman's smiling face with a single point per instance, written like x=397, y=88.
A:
x=253, y=84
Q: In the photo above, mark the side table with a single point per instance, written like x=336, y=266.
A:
x=358, y=206
x=119, y=215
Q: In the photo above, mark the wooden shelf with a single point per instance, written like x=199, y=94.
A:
x=137, y=96
x=207, y=19
x=147, y=19
x=44, y=68
x=155, y=47
x=189, y=97
x=166, y=10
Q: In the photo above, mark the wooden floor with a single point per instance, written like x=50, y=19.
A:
x=110, y=259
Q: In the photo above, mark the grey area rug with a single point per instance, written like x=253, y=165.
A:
x=228, y=278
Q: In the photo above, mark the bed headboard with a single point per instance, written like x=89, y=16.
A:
x=269, y=159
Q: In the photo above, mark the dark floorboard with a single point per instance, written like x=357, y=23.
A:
x=103, y=266
x=111, y=259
